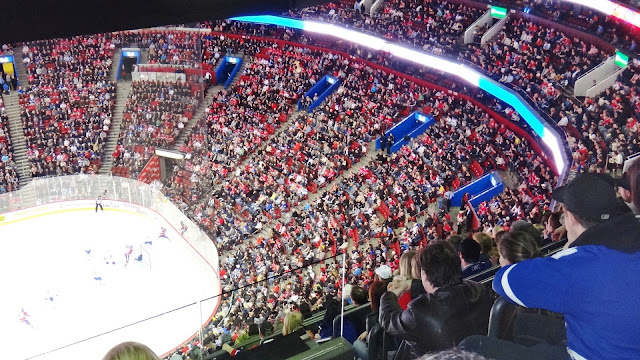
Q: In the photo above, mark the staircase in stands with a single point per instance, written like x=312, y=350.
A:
x=122, y=93
x=12, y=106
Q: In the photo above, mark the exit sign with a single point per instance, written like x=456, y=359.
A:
x=621, y=59
x=498, y=12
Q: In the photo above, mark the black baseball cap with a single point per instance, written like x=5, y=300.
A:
x=589, y=196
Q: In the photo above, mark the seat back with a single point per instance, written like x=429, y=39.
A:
x=352, y=314
x=374, y=342
x=525, y=326
x=501, y=319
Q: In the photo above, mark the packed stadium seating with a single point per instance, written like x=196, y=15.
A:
x=510, y=207
x=155, y=114
x=67, y=104
x=253, y=162
x=320, y=227
x=167, y=47
x=544, y=79
x=8, y=175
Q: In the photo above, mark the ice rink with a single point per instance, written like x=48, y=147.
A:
x=66, y=270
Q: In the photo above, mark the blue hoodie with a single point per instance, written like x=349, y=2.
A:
x=595, y=284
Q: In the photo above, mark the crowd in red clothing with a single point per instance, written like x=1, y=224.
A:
x=270, y=190
x=432, y=25
x=8, y=174
x=543, y=63
x=168, y=47
x=155, y=114
x=67, y=104
x=233, y=199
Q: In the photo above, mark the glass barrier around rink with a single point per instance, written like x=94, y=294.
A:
x=115, y=192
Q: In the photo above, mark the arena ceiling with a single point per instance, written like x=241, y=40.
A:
x=25, y=20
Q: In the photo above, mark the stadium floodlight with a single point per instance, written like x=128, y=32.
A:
x=554, y=145
x=435, y=62
x=498, y=12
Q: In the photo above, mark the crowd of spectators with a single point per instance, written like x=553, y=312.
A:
x=597, y=129
x=435, y=26
x=67, y=104
x=8, y=174
x=552, y=62
x=167, y=47
x=8, y=80
x=307, y=155
x=155, y=114
x=619, y=33
x=241, y=118
x=377, y=202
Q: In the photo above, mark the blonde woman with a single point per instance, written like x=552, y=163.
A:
x=406, y=274
x=405, y=271
x=292, y=322
x=130, y=351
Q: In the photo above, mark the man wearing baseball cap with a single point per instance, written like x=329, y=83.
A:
x=594, y=281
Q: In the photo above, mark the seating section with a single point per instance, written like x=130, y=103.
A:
x=166, y=47
x=433, y=25
x=66, y=107
x=240, y=119
x=252, y=163
x=8, y=174
x=155, y=114
x=541, y=63
x=268, y=188
x=617, y=32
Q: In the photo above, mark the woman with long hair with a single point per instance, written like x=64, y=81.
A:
x=406, y=274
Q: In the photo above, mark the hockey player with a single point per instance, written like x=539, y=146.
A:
x=24, y=317
x=183, y=228
x=163, y=233
x=99, y=203
x=127, y=254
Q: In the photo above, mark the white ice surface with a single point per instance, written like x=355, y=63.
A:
x=45, y=256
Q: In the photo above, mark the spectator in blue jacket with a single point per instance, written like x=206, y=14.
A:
x=593, y=282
